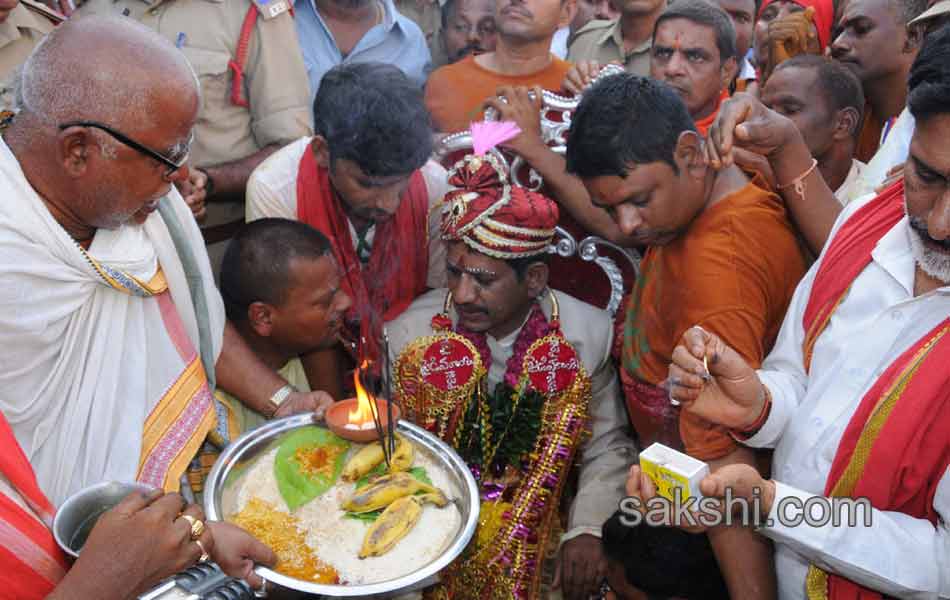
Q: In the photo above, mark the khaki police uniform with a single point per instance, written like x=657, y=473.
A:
x=602, y=41
x=25, y=26
x=274, y=86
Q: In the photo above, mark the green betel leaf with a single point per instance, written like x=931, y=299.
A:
x=298, y=484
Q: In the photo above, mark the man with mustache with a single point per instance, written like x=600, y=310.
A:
x=112, y=334
x=455, y=94
x=854, y=396
x=511, y=373
x=366, y=182
x=720, y=252
x=694, y=51
x=878, y=45
x=468, y=27
x=281, y=290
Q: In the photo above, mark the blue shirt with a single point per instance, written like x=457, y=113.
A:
x=397, y=41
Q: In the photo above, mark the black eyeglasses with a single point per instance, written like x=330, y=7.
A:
x=172, y=162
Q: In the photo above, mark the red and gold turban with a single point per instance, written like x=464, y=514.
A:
x=493, y=216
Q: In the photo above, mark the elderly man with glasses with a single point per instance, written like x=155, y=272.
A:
x=112, y=334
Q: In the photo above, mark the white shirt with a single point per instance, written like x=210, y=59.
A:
x=851, y=187
x=559, y=42
x=747, y=71
x=893, y=151
x=879, y=319
x=272, y=192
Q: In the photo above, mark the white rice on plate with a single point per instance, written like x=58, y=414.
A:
x=336, y=539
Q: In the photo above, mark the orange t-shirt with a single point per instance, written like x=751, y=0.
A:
x=733, y=272
x=455, y=93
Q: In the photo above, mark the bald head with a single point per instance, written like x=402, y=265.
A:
x=98, y=98
x=109, y=69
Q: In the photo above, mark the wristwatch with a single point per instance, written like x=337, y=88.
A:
x=278, y=397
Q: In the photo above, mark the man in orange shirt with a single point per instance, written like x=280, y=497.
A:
x=721, y=253
x=456, y=93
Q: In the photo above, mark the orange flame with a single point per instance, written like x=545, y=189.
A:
x=364, y=409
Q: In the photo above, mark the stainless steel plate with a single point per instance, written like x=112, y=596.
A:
x=220, y=492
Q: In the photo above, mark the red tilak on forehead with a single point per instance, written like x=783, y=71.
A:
x=676, y=42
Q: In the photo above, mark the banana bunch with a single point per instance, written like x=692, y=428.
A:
x=386, y=489
x=369, y=457
x=396, y=522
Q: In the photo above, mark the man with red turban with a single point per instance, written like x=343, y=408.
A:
x=518, y=378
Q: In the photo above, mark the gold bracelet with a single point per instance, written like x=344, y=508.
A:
x=799, y=182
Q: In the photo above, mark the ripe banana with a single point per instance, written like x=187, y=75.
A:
x=402, y=458
x=369, y=456
x=396, y=522
x=364, y=461
x=386, y=489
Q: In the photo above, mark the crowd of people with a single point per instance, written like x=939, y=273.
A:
x=211, y=210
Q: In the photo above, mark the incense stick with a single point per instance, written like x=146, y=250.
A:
x=388, y=394
x=377, y=421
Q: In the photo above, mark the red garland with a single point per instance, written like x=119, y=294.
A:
x=535, y=328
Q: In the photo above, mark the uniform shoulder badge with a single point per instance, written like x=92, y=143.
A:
x=38, y=7
x=270, y=9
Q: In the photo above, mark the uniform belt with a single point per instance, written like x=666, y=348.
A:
x=221, y=233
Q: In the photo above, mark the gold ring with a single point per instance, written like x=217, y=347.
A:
x=204, y=555
x=197, y=526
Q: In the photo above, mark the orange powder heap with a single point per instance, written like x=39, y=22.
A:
x=280, y=532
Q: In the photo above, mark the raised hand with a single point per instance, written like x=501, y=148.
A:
x=730, y=394
x=581, y=74
x=745, y=122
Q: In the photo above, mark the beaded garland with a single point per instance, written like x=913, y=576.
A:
x=519, y=501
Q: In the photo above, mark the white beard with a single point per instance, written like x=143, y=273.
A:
x=933, y=262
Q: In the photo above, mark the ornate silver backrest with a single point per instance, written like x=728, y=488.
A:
x=556, y=114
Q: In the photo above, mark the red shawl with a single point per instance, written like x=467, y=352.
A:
x=894, y=450
x=31, y=564
x=704, y=124
x=399, y=263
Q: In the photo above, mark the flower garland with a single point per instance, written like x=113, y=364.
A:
x=502, y=426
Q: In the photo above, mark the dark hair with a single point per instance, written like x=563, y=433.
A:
x=704, y=13
x=520, y=265
x=622, y=120
x=663, y=561
x=929, y=80
x=256, y=266
x=840, y=86
x=908, y=10
x=372, y=114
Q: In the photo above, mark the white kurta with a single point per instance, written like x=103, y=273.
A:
x=880, y=318
x=81, y=363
